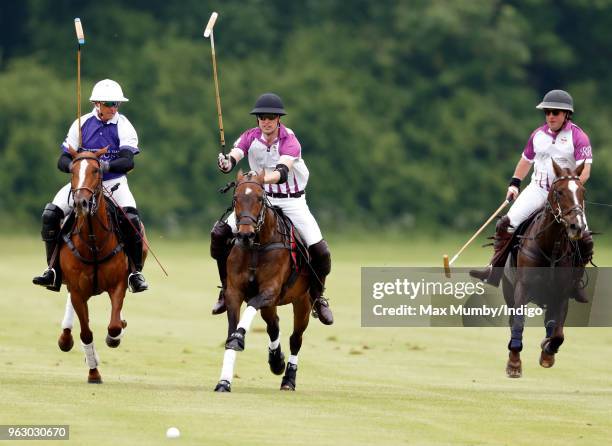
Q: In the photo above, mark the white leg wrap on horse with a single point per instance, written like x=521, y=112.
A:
x=247, y=318
x=293, y=359
x=91, y=357
x=273, y=345
x=119, y=336
x=68, y=320
x=229, y=359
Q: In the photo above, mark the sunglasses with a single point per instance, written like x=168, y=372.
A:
x=267, y=117
x=111, y=104
x=553, y=112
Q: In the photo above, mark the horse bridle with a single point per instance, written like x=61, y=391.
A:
x=93, y=201
x=256, y=222
x=559, y=214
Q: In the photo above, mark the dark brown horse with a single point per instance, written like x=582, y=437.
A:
x=260, y=273
x=92, y=259
x=546, y=262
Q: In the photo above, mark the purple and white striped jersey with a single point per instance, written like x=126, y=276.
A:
x=263, y=156
x=569, y=147
x=117, y=133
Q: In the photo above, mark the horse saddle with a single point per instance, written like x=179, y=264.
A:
x=300, y=257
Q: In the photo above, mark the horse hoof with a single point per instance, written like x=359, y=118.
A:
x=94, y=377
x=112, y=343
x=223, y=386
x=288, y=386
x=546, y=360
x=276, y=360
x=65, y=341
x=514, y=370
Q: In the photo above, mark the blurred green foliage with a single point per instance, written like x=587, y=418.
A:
x=411, y=114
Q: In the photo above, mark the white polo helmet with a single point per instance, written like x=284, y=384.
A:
x=107, y=90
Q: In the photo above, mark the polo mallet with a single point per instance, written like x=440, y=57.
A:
x=448, y=264
x=208, y=32
x=81, y=41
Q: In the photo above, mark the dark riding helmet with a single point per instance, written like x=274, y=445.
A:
x=557, y=99
x=269, y=103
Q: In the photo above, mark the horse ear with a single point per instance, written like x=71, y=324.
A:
x=102, y=151
x=239, y=175
x=558, y=170
x=73, y=153
x=580, y=168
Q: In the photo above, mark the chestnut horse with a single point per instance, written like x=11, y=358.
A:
x=92, y=259
x=260, y=272
x=546, y=261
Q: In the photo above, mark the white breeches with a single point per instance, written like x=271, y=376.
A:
x=297, y=210
x=124, y=198
x=529, y=201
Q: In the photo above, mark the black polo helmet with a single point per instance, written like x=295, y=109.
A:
x=558, y=100
x=269, y=103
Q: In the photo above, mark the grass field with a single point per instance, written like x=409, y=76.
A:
x=356, y=386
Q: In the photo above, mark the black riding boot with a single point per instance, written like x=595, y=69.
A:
x=132, y=239
x=51, y=278
x=220, y=246
x=585, y=249
x=492, y=273
x=320, y=261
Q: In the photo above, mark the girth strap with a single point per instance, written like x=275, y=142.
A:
x=76, y=253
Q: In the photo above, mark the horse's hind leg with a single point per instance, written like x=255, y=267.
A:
x=117, y=325
x=66, y=341
x=276, y=358
x=301, y=316
x=91, y=356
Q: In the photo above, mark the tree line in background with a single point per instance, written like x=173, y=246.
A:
x=411, y=114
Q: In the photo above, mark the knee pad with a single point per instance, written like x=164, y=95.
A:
x=51, y=221
x=321, y=257
x=220, y=235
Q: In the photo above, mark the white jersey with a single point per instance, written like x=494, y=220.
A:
x=266, y=156
x=569, y=147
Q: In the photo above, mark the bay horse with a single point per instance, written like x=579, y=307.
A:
x=92, y=259
x=260, y=272
x=545, y=262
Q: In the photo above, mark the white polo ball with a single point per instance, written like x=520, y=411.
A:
x=173, y=432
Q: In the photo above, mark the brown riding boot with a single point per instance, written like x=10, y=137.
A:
x=493, y=272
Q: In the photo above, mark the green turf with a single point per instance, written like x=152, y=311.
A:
x=356, y=386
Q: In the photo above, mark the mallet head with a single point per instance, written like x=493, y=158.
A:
x=210, y=25
x=79, y=31
x=447, y=271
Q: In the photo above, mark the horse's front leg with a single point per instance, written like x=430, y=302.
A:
x=517, y=325
x=79, y=303
x=117, y=324
x=301, y=317
x=233, y=301
x=66, y=341
x=554, y=322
